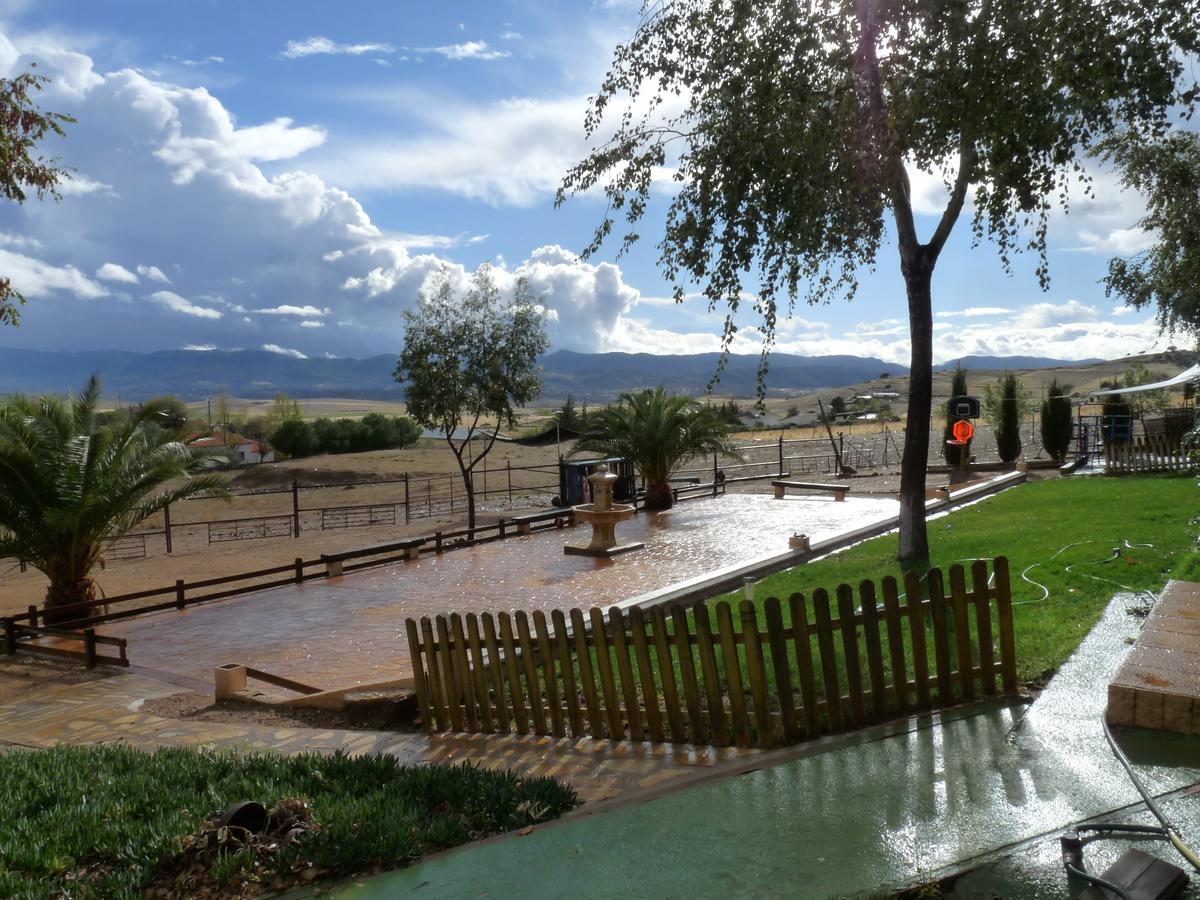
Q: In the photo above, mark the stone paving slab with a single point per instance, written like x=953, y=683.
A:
x=108, y=710
x=1158, y=685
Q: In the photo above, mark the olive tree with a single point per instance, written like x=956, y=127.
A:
x=23, y=125
x=790, y=131
x=469, y=361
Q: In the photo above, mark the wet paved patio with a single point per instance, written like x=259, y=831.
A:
x=846, y=818
x=338, y=632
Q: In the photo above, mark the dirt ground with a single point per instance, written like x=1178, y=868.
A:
x=202, y=708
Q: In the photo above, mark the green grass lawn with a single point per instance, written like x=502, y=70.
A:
x=1043, y=528
x=108, y=821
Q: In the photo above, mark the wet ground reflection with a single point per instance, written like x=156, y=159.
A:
x=348, y=630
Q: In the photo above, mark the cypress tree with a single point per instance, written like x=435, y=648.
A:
x=958, y=388
x=1056, y=420
x=1008, y=423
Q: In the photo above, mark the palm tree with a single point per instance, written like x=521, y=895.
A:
x=69, y=486
x=657, y=433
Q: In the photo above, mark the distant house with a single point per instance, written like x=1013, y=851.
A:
x=246, y=451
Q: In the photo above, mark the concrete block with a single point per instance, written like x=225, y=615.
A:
x=333, y=568
x=1177, y=713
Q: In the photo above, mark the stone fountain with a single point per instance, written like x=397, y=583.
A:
x=603, y=515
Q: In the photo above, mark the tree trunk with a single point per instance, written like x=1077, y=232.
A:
x=914, y=539
x=658, y=495
x=63, y=591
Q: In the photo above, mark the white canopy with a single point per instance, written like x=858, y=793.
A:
x=1192, y=374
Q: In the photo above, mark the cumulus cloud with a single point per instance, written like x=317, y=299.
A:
x=175, y=303
x=1047, y=315
x=284, y=351
x=200, y=348
x=973, y=312
x=312, y=323
x=114, y=272
x=323, y=46
x=1119, y=241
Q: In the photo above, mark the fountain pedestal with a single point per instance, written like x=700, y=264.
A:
x=603, y=515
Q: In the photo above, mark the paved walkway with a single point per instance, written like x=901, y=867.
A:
x=107, y=709
x=341, y=632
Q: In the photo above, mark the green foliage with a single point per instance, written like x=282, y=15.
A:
x=1114, y=410
x=837, y=405
x=372, y=432
x=22, y=126
x=295, y=437
x=113, y=816
x=567, y=417
x=730, y=412
x=1057, y=424
x=1004, y=408
x=171, y=411
x=657, y=433
x=1145, y=402
x=1165, y=170
x=792, y=411
x=470, y=359
x=69, y=486
x=958, y=388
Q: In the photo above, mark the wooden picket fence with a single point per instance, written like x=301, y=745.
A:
x=787, y=671
x=1151, y=453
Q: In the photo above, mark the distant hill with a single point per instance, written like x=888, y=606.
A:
x=254, y=374
x=1012, y=362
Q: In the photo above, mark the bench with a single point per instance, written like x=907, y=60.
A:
x=411, y=548
x=809, y=487
x=524, y=522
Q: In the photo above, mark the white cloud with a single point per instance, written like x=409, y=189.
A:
x=174, y=302
x=204, y=348
x=284, y=351
x=973, y=312
x=154, y=273
x=275, y=140
x=1123, y=311
x=478, y=151
x=323, y=46
x=1047, y=315
x=286, y=310
x=78, y=185
x=467, y=50
x=1119, y=241
x=113, y=272
x=310, y=323
x=36, y=278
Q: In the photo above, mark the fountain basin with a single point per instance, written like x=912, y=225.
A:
x=604, y=538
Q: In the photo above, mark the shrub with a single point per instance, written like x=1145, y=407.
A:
x=295, y=437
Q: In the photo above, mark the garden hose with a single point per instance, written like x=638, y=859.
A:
x=1172, y=833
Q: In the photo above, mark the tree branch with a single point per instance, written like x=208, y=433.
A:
x=967, y=157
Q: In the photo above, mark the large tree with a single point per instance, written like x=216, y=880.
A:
x=658, y=433
x=469, y=361
x=69, y=486
x=790, y=130
x=23, y=125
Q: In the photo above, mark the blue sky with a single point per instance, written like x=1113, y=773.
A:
x=286, y=175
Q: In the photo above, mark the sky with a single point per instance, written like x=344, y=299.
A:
x=287, y=175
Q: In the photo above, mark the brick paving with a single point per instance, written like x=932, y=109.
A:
x=107, y=709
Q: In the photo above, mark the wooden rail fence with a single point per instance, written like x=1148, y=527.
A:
x=755, y=677
x=1151, y=453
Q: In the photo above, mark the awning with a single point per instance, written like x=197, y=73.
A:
x=1192, y=374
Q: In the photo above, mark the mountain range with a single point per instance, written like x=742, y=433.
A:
x=256, y=374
